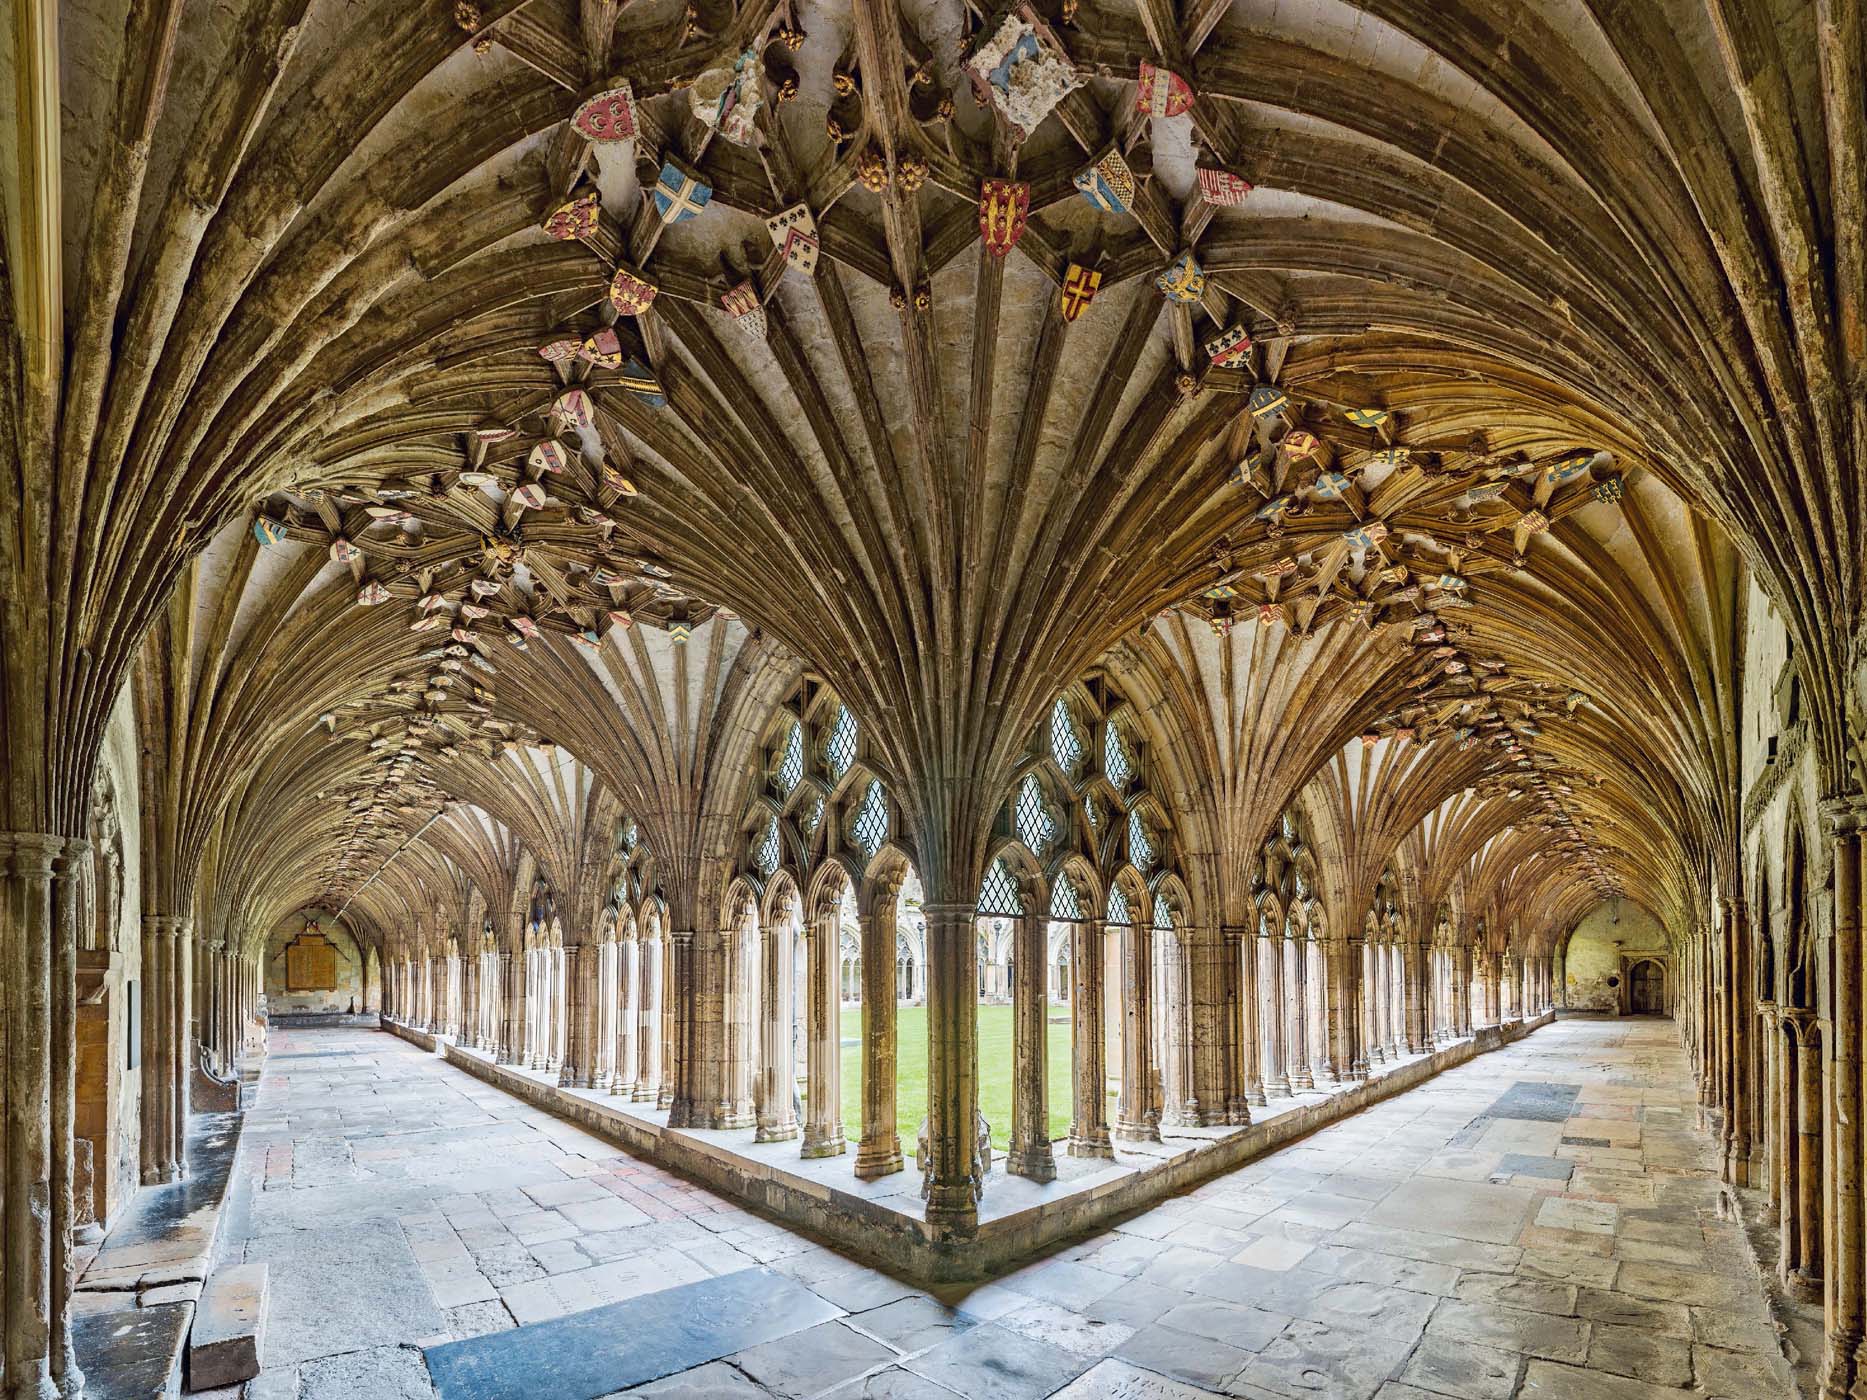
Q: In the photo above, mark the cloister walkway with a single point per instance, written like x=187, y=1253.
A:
x=1542, y=1221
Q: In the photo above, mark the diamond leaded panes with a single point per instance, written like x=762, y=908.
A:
x=871, y=825
x=1064, y=903
x=1066, y=741
x=1140, y=846
x=840, y=750
x=1163, y=916
x=1118, y=907
x=1117, y=760
x=765, y=854
x=999, y=894
x=1036, y=827
x=791, y=760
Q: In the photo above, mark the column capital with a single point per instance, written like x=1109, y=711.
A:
x=165, y=925
x=968, y=909
x=1845, y=815
x=30, y=852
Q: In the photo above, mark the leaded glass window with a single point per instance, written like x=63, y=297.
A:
x=1140, y=847
x=1064, y=903
x=999, y=894
x=1118, y=907
x=1163, y=916
x=840, y=750
x=765, y=855
x=1066, y=741
x=1117, y=761
x=871, y=828
x=791, y=761
x=1036, y=827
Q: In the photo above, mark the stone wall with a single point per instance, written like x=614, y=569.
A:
x=1614, y=928
x=300, y=938
x=108, y=1110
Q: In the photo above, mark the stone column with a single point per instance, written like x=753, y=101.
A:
x=1250, y=1051
x=1297, y=1042
x=1136, y=1119
x=740, y=949
x=1802, y=1206
x=1413, y=988
x=777, y=1069
x=469, y=999
x=62, y=1050
x=1368, y=1004
x=511, y=1006
x=648, y=1030
x=1089, y=1129
x=628, y=1017
x=952, y=1184
x=163, y=937
x=29, y=863
x=1348, y=1044
x=1492, y=977
x=823, y=1113
x=668, y=991
x=1462, y=991
x=690, y=1011
x=1738, y=1028
x=1276, y=1073
x=578, y=1070
x=879, y=1151
x=1030, y=1154
x=1846, y=1351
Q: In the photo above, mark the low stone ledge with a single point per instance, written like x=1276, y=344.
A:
x=229, y=1326
x=881, y=1221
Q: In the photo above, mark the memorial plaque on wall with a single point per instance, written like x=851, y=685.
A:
x=310, y=964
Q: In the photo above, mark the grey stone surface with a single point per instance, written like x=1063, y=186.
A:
x=810, y=1362
x=994, y=1361
x=1115, y=1379
x=343, y=1288
x=717, y=1380
x=381, y=1373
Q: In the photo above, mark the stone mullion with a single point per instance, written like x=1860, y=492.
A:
x=777, y=1069
x=742, y=952
x=952, y=1182
x=823, y=1118
x=1348, y=1045
x=668, y=988
x=1134, y=1121
x=691, y=992
x=1030, y=1154
x=878, y=1151
x=648, y=1027
x=161, y=936
x=1089, y=1129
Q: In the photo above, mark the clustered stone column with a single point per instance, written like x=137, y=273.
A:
x=1089, y=1128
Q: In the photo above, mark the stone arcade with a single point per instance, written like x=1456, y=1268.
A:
x=904, y=699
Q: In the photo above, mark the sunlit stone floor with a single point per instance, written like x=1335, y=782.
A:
x=1540, y=1222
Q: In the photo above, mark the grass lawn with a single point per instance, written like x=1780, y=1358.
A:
x=995, y=1061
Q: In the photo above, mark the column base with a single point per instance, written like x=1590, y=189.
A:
x=1238, y=1112
x=1838, y=1362
x=1094, y=1144
x=1737, y=1163
x=1033, y=1163
x=38, y=1387
x=824, y=1147
x=1135, y=1132
x=881, y=1158
x=569, y=1078
x=776, y=1132
x=643, y=1094
x=665, y=1099
x=1303, y=1080
x=1803, y=1286
x=1254, y=1095
x=1278, y=1086
x=953, y=1209
x=165, y=1175
x=727, y=1117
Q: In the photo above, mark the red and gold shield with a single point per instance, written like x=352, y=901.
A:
x=1080, y=285
x=1222, y=187
x=1003, y=207
x=630, y=293
x=575, y=218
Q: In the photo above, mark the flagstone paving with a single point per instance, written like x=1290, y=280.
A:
x=1542, y=1222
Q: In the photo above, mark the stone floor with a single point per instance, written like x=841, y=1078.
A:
x=1541, y=1222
